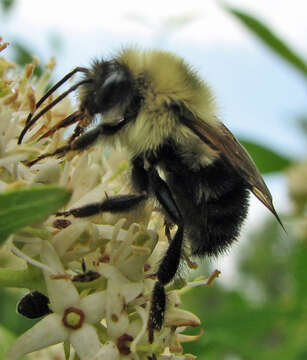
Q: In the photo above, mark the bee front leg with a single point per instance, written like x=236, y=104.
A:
x=83, y=141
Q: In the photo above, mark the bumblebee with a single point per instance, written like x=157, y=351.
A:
x=182, y=155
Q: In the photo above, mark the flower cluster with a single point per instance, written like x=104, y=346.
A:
x=97, y=272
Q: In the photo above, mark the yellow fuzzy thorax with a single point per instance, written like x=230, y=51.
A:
x=167, y=76
x=163, y=77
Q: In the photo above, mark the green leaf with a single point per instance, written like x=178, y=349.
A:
x=27, y=206
x=6, y=340
x=272, y=40
x=267, y=160
x=7, y=5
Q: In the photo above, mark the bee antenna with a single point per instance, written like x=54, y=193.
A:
x=57, y=85
x=31, y=121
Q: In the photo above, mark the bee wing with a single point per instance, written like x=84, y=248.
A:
x=221, y=139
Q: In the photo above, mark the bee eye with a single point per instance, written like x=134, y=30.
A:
x=114, y=91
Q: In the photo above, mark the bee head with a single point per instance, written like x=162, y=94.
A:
x=110, y=92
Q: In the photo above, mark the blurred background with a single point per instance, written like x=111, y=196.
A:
x=252, y=54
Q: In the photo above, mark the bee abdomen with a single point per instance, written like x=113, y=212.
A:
x=212, y=200
x=222, y=218
x=214, y=203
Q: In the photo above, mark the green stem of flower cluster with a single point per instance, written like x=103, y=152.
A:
x=29, y=278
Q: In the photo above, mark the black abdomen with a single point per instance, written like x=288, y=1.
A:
x=224, y=208
x=213, y=202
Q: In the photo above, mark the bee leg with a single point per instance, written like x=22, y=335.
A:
x=59, y=151
x=83, y=141
x=171, y=259
x=69, y=120
x=114, y=204
x=78, y=131
x=117, y=203
x=167, y=230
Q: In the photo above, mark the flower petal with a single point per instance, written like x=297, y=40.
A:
x=85, y=341
x=178, y=317
x=65, y=238
x=116, y=314
x=51, y=258
x=48, y=331
x=108, y=351
x=94, y=306
x=128, y=289
x=62, y=293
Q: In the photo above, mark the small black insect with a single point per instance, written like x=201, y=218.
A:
x=164, y=114
x=34, y=305
x=86, y=275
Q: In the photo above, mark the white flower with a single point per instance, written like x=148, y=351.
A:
x=72, y=320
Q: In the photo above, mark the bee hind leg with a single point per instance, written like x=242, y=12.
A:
x=170, y=262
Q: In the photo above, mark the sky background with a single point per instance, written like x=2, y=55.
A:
x=259, y=95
